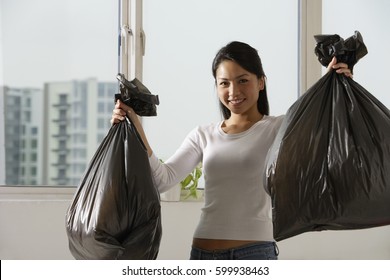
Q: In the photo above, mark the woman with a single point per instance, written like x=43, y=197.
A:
x=236, y=221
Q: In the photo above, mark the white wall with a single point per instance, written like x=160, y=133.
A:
x=32, y=226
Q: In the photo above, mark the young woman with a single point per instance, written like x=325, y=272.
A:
x=236, y=221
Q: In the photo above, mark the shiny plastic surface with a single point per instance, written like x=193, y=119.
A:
x=137, y=96
x=329, y=168
x=115, y=213
x=348, y=51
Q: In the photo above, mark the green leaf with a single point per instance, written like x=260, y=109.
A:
x=198, y=173
x=186, y=181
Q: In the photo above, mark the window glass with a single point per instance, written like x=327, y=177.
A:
x=371, y=19
x=182, y=38
x=55, y=56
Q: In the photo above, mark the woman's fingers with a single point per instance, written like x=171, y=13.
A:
x=114, y=120
x=120, y=111
x=332, y=63
x=118, y=114
x=340, y=68
x=340, y=65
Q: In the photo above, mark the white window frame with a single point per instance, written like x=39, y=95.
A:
x=310, y=24
x=132, y=39
x=2, y=117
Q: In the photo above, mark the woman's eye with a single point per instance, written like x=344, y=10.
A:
x=243, y=81
x=224, y=84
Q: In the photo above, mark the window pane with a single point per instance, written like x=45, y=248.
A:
x=58, y=62
x=182, y=40
x=371, y=19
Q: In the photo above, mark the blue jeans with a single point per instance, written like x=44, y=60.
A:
x=255, y=251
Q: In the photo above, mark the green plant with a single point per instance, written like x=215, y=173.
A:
x=190, y=183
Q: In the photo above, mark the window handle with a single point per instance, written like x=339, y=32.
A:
x=125, y=33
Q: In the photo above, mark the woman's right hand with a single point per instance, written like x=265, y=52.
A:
x=340, y=68
x=120, y=111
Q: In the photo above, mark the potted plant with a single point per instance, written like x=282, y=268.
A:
x=189, y=186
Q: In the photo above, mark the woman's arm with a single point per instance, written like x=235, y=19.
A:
x=177, y=167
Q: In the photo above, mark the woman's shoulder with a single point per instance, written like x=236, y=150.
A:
x=274, y=120
x=204, y=128
x=199, y=134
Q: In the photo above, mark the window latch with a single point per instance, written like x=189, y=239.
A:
x=126, y=32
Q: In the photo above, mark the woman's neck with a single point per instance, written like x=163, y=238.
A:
x=240, y=123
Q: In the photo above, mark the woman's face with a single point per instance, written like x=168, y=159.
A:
x=237, y=88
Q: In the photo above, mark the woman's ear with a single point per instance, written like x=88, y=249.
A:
x=261, y=83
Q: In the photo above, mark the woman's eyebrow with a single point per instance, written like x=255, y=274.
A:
x=238, y=77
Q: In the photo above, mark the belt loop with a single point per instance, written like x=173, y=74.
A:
x=276, y=249
x=231, y=254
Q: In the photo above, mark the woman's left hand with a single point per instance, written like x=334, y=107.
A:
x=340, y=68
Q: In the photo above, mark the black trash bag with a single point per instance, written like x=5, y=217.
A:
x=137, y=96
x=115, y=213
x=329, y=167
x=348, y=51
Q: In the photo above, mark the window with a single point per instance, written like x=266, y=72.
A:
x=54, y=88
x=101, y=107
x=59, y=73
x=54, y=56
x=371, y=18
x=34, y=143
x=34, y=157
x=186, y=41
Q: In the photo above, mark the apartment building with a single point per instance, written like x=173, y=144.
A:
x=51, y=135
x=23, y=116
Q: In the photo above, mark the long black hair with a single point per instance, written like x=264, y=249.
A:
x=249, y=59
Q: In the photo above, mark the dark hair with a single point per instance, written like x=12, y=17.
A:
x=249, y=59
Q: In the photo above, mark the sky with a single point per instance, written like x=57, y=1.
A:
x=55, y=40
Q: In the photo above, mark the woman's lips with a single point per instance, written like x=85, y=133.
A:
x=236, y=101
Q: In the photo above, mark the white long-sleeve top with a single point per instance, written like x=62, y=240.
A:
x=236, y=205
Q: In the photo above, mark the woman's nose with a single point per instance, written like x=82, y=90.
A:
x=233, y=90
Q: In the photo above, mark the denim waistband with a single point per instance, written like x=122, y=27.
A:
x=254, y=251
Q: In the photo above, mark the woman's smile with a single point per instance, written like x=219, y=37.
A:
x=237, y=102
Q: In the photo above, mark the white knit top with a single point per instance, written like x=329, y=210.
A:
x=236, y=205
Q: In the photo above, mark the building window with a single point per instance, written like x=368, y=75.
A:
x=101, y=107
x=34, y=157
x=34, y=143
